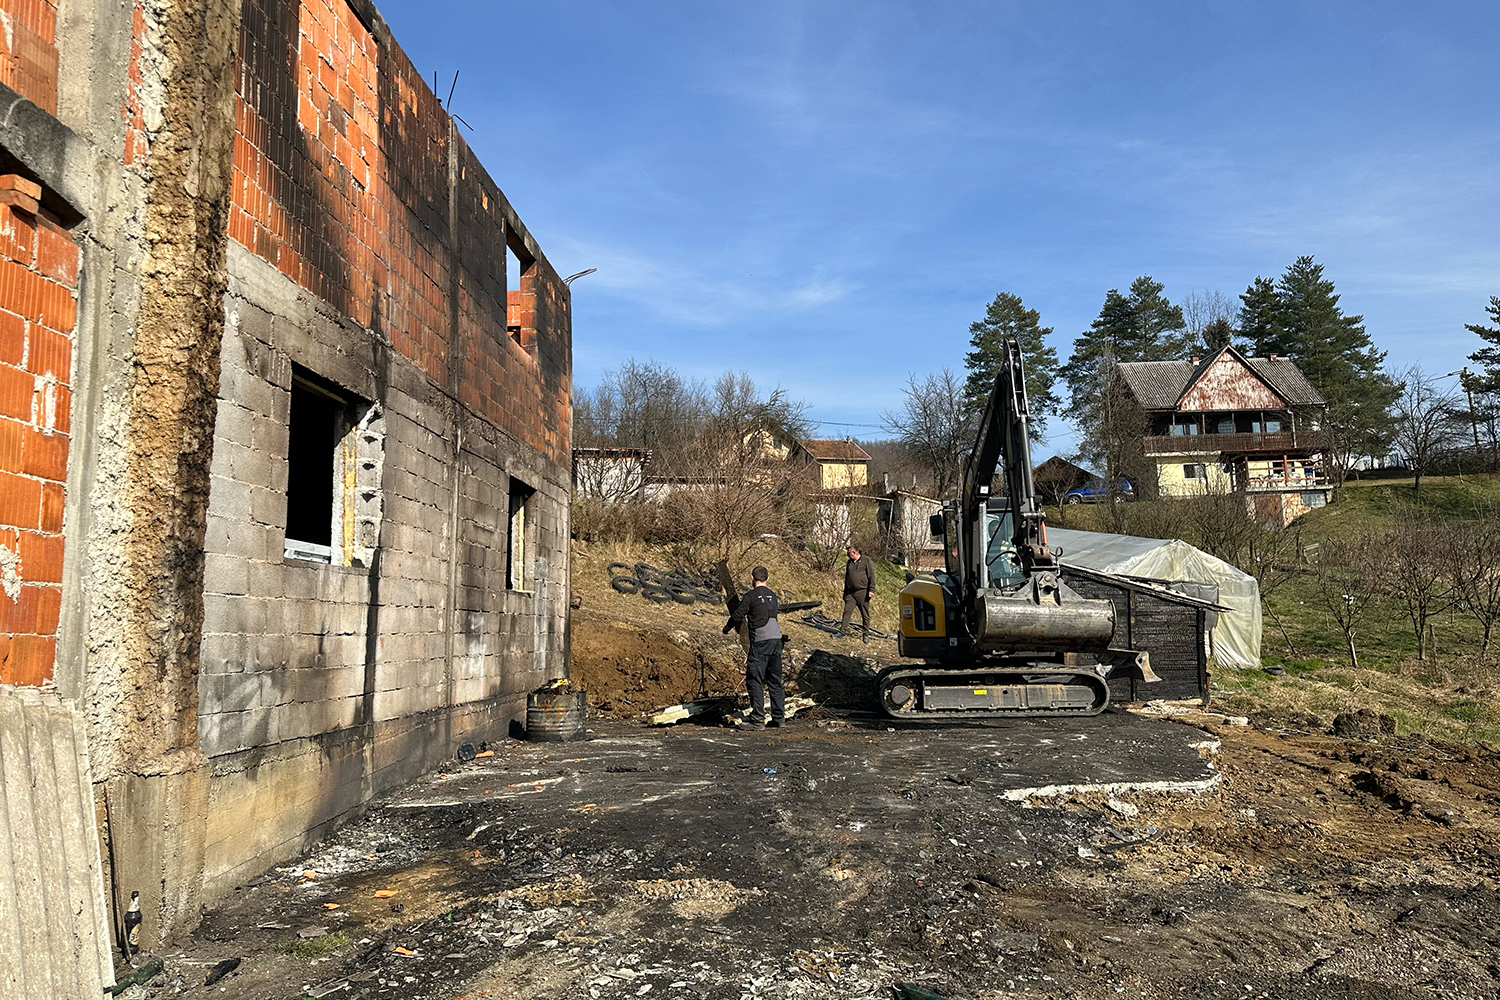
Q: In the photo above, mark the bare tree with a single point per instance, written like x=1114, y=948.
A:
x=1210, y=317
x=1424, y=421
x=1271, y=556
x=1345, y=585
x=1412, y=569
x=934, y=427
x=1474, y=565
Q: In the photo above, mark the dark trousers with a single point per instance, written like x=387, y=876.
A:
x=762, y=671
x=859, y=599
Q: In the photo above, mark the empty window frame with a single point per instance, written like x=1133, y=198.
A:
x=332, y=496
x=518, y=533
x=520, y=296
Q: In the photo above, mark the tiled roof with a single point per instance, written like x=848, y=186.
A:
x=834, y=451
x=1158, y=385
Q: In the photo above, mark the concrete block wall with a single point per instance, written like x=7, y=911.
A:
x=368, y=248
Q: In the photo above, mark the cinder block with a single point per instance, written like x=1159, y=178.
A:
x=225, y=574
x=229, y=499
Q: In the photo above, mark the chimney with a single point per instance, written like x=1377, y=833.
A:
x=1196, y=359
x=1273, y=357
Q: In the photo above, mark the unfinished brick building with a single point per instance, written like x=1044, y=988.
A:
x=284, y=439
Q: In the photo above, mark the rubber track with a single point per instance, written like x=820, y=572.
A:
x=891, y=675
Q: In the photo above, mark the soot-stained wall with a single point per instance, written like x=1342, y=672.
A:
x=367, y=261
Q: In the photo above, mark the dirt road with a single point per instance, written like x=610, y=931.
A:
x=834, y=858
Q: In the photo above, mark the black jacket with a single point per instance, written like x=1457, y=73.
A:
x=859, y=576
x=759, y=605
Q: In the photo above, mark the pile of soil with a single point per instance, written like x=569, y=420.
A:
x=628, y=671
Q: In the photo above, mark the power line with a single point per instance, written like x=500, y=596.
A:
x=835, y=423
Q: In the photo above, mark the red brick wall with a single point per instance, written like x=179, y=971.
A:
x=38, y=281
x=28, y=50
x=342, y=182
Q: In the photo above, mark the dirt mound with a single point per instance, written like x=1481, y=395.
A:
x=628, y=671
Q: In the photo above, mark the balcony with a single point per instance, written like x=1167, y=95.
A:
x=1202, y=444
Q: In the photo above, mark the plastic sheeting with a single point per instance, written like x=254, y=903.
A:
x=1236, y=635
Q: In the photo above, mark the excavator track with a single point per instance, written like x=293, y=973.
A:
x=925, y=693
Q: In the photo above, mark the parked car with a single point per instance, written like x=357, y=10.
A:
x=1097, y=491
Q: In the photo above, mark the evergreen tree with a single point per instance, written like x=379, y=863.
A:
x=1218, y=335
x=1489, y=357
x=1260, y=319
x=1004, y=318
x=1335, y=353
x=1140, y=326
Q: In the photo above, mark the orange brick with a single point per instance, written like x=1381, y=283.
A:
x=49, y=352
x=19, y=184
x=58, y=310
x=20, y=500
x=11, y=435
x=64, y=414
x=57, y=256
x=19, y=615
x=48, y=610
x=12, y=339
x=27, y=659
x=41, y=557
x=52, y=507
x=45, y=455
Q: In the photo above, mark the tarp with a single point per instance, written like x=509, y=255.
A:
x=1236, y=635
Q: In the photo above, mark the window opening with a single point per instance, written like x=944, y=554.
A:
x=516, y=576
x=334, y=447
x=520, y=295
x=1192, y=472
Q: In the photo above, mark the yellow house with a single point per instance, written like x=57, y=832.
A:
x=840, y=464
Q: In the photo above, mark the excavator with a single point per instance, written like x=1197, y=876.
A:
x=999, y=634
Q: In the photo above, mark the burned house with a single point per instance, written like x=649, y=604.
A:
x=285, y=424
x=1228, y=423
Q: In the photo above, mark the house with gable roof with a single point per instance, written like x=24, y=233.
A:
x=1230, y=423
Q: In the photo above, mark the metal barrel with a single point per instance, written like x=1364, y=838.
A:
x=555, y=716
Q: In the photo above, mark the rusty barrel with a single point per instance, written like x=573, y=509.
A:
x=555, y=714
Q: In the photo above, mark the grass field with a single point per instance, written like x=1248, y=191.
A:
x=1451, y=695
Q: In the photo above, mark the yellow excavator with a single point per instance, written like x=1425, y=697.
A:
x=997, y=630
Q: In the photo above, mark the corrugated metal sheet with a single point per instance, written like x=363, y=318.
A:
x=54, y=940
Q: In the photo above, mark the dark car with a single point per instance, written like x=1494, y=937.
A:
x=1097, y=491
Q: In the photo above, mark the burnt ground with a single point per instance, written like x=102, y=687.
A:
x=674, y=862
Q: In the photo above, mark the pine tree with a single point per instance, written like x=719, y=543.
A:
x=1218, y=335
x=1140, y=326
x=1335, y=353
x=1489, y=357
x=1260, y=319
x=1004, y=318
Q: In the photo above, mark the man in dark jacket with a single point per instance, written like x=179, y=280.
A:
x=763, y=661
x=859, y=587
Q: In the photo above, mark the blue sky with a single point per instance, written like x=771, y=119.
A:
x=826, y=194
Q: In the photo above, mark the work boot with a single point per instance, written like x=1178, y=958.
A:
x=775, y=724
x=752, y=723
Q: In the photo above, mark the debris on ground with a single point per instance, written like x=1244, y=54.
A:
x=672, y=858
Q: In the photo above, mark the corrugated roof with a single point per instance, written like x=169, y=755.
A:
x=1158, y=385
x=834, y=451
